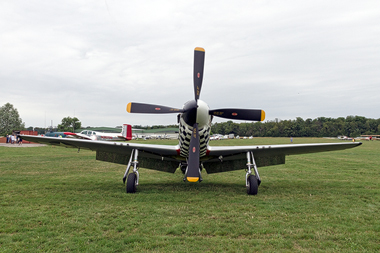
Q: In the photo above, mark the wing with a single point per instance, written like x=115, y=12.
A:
x=227, y=158
x=119, y=152
x=218, y=159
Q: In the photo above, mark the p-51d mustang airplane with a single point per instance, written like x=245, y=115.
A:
x=125, y=135
x=193, y=153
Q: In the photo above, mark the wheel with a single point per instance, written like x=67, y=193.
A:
x=252, y=186
x=131, y=183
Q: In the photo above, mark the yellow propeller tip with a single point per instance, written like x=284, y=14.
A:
x=192, y=179
x=129, y=107
x=199, y=49
x=262, y=115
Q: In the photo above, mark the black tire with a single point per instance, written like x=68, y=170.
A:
x=183, y=169
x=131, y=183
x=253, y=186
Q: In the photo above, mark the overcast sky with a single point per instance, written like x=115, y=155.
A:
x=88, y=59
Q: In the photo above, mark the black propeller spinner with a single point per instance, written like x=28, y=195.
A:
x=189, y=114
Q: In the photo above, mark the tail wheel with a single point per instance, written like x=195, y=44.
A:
x=131, y=183
x=252, y=186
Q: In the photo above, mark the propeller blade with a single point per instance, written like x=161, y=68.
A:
x=193, y=161
x=199, y=62
x=241, y=114
x=149, y=108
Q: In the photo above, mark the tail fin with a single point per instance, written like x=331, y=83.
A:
x=127, y=132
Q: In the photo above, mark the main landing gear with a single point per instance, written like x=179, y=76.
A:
x=133, y=177
x=252, y=181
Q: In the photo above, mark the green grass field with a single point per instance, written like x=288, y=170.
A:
x=54, y=199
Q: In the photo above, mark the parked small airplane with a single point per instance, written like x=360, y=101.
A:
x=125, y=135
x=193, y=154
x=218, y=137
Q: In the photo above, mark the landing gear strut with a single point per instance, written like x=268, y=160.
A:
x=133, y=177
x=252, y=181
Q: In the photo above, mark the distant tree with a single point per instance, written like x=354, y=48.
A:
x=69, y=124
x=9, y=119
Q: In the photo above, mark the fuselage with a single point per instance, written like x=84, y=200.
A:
x=126, y=134
x=94, y=135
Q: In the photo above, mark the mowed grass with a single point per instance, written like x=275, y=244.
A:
x=57, y=200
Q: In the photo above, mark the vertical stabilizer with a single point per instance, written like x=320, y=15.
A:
x=127, y=132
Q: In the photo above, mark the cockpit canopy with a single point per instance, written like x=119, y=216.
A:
x=89, y=133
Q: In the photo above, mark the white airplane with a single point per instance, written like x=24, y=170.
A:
x=218, y=137
x=125, y=135
x=193, y=153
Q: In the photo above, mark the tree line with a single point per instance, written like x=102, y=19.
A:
x=351, y=126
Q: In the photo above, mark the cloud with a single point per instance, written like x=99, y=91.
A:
x=90, y=58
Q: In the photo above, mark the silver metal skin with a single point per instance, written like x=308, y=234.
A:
x=135, y=166
x=203, y=117
x=256, y=170
x=200, y=175
x=249, y=165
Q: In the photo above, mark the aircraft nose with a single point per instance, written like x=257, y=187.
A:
x=190, y=112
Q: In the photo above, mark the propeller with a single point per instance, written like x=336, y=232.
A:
x=240, y=114
x=193, y=161
x=190, y=115
x=150, y=108
x=199, y=63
